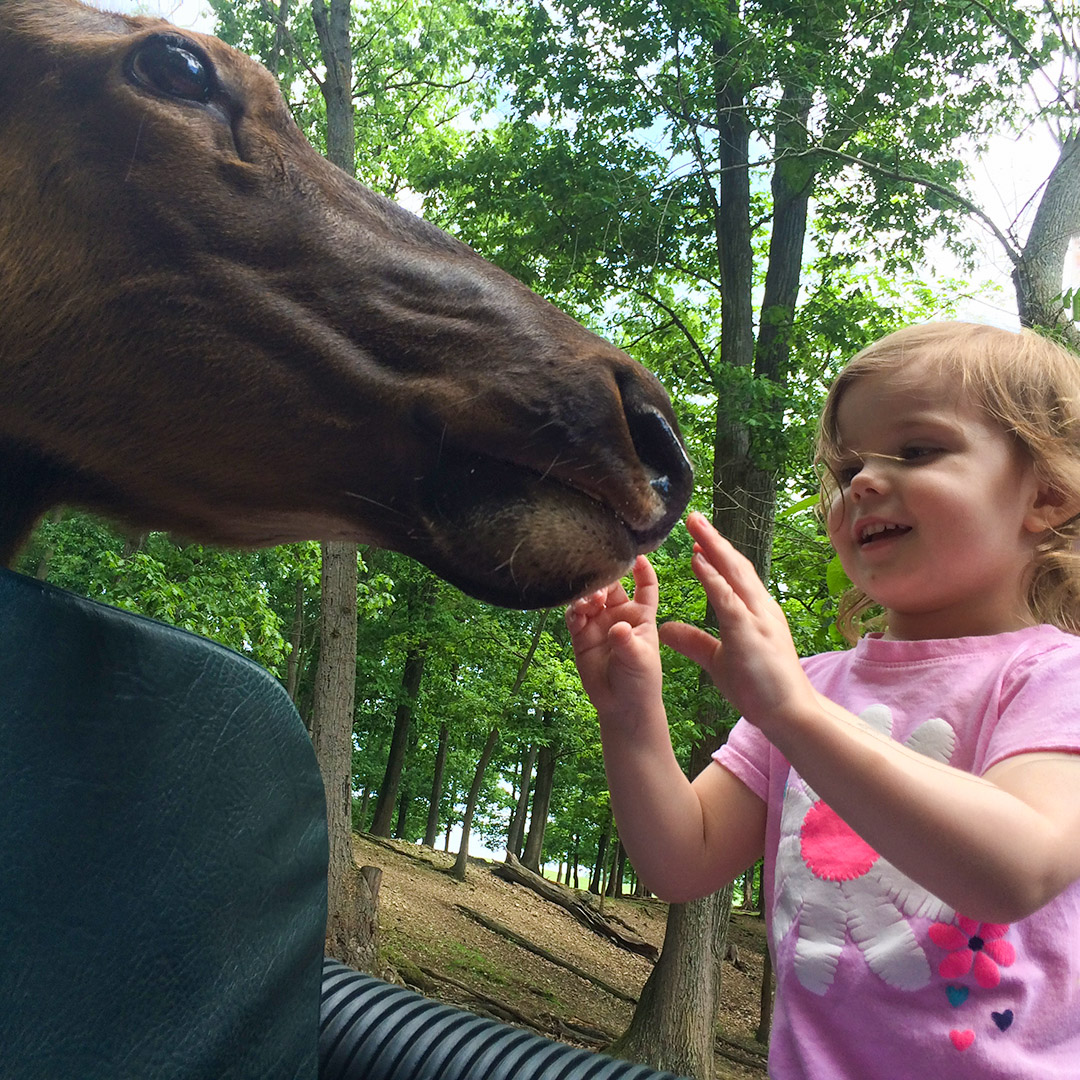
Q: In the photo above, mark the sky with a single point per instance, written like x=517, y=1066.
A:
x=1007, y=182
x=188, y=14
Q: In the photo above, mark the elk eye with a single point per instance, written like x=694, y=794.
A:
x=169, y=65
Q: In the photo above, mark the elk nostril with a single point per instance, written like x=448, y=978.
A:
x=660, y=450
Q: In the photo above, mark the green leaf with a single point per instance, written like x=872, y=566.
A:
x=836, y=577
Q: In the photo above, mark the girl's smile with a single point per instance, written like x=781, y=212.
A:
x=872, y=532
x=937, y=510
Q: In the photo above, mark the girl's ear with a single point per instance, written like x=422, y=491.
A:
x=1050, y=509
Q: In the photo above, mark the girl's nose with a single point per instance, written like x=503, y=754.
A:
x=871, y=479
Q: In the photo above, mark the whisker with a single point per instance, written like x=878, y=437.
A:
x=509, y=563
x=373, y=502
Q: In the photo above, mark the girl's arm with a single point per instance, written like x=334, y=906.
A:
x=995, y=848
x=685, y=840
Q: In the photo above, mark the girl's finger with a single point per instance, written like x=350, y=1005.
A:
x=646, y=586
x=693, y=642
x=734, y=567
x=720, y=588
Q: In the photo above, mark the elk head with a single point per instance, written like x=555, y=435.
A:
x=208, y=328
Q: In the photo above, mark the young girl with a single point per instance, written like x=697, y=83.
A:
x=917, y=798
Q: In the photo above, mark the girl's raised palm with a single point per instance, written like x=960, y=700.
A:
x=754, y=663
x=616, y=645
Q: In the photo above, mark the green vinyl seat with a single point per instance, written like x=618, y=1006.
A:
x=163, y=853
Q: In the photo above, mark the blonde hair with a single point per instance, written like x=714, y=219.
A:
x=1028, y=385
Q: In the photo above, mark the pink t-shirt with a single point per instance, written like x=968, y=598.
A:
x=876, y=978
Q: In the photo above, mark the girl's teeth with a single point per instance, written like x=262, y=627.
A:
x=872, y=531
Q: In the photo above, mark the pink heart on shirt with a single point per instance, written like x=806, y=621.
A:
x=962, y=1039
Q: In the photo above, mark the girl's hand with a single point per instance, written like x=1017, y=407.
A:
x=616, y=647
x=754, y=663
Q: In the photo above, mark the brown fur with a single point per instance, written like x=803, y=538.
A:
x=207, y=328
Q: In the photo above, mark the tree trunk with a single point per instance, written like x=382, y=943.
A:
x=411, y=677
x=792, y=184
x=618, y=868
x=744, y=501
x=350, y=936
x=764, y=1028
x=462, y=860
x=683, y=988
x=402, y=813
x=296, y=639
x=672, y=1027
x=541, y=802
x=281, y=37
x=332, y=27
x=431, y=831
x=350, y=903
x=1038, y=273
x=596, y=882
x=515, y=834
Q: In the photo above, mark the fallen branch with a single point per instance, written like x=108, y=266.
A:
x=437, y=860
x=512, y=870
x=429, y=982
x=525, y=943
x=739, y=1052
x=408, y=851
x=481, y=1003
x=582, y=1034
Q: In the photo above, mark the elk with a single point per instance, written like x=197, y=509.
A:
x=207, y=328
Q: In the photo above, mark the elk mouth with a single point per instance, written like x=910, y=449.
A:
x=540, y=527
x=512, y=536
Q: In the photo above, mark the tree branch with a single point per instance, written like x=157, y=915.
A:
x=944, y=190
x=674, y=316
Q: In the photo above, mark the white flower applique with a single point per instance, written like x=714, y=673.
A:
x=832, y=887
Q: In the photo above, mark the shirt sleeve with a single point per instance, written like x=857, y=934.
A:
x=746, y=754
x=1039, y=706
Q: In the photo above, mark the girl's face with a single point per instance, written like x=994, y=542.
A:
x=938, y=510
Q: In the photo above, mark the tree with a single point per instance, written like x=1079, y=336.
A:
x=352, y=920
x=411, y=677
x=431, y=830
x=515, y=833
x=489, y=748
x=1038, y=263
x=541, y=803
x=351, y=916
x=405, y=81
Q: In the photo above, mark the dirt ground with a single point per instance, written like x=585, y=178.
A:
x=429, y=943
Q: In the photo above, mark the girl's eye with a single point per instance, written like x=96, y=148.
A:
x=846, y=471
x=918, y=454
